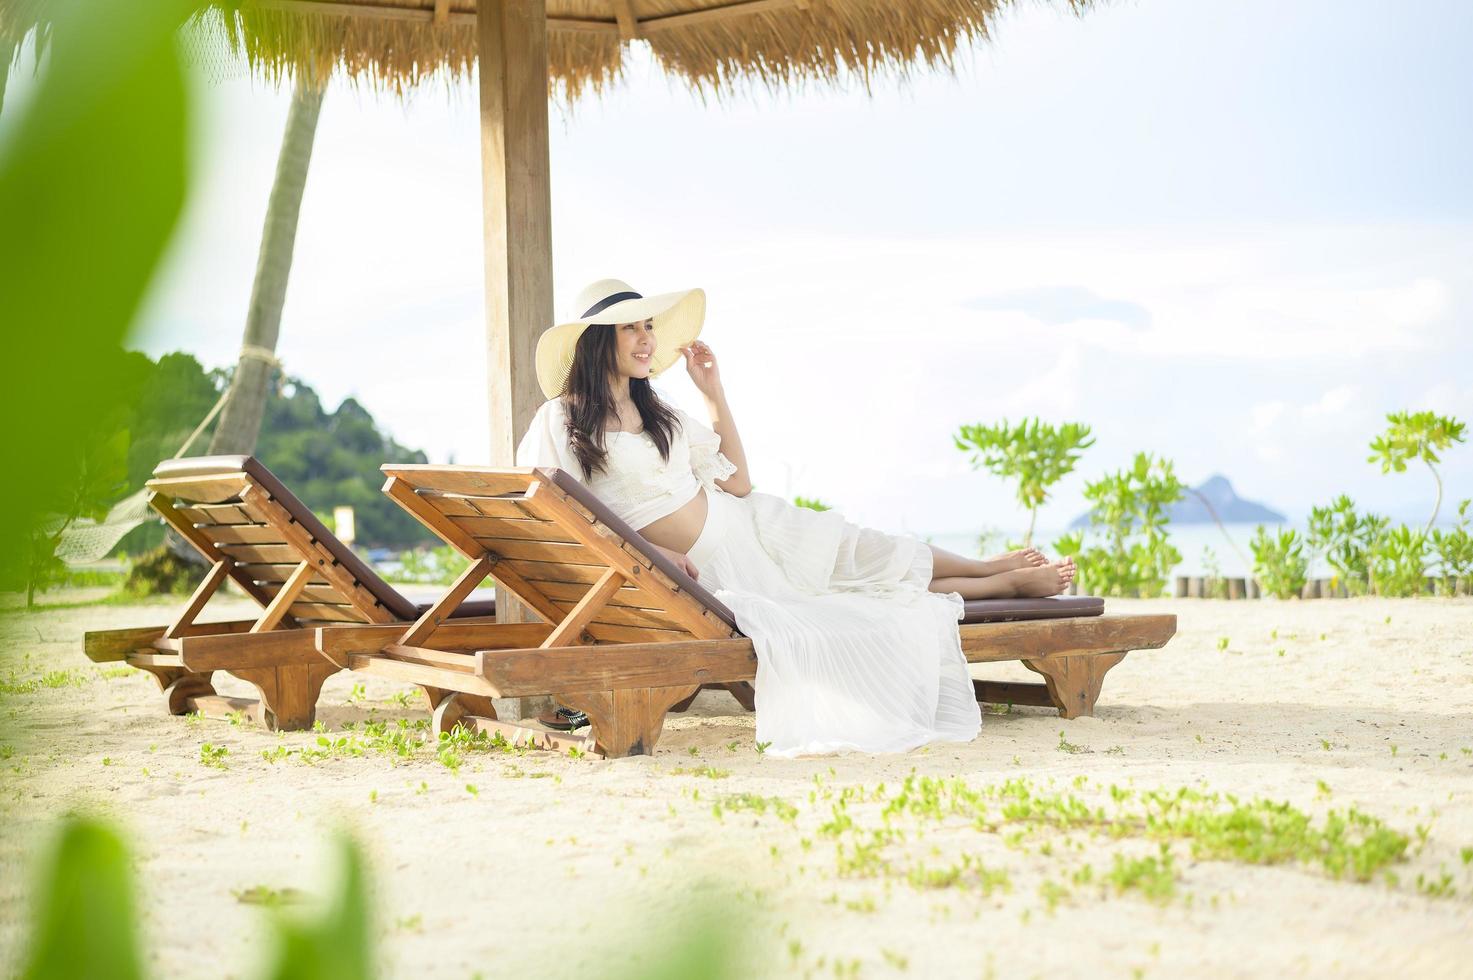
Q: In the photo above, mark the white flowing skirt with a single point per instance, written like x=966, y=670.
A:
x=853, y=651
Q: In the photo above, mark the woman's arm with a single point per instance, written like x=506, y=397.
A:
x=700, y=363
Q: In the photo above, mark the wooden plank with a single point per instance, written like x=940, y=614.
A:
x=201, y=489
x=572, y=554
x=337, y=643
x=542, y=571
x=419, y=633
x=454, y=506
x=515, y=673
x=609, y=633
x=457, y=660
x=499, y=507
x=276, y=612
x=466, y=481
x=276, y=574
x=424, y=674
x=508, y=582
x=1011, y=692
x=502, y=527
x=422, y=508
x=210, y=514
x=252, y=554
x=570, y=630
x=681, y=608
x=232, y=652
x=1050, y=638
x=108, y=646
x=227, y=534
x=628, y=595
x=321, y=555
x=151, y=658
x=203, y=593
x=627, y=616
x=337, y=612
x=312, y=593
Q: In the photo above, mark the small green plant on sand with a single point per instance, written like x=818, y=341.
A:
x=1279, y=563
x=213, y=755
x=1034, y=453
x=1454, y=550
x=1129, y=512
x=812, y=503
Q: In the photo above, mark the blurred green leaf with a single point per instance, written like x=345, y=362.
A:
x=85, y=915
x=336, y=945
x=92, y=181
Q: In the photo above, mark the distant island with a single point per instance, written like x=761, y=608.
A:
x=1230, y=508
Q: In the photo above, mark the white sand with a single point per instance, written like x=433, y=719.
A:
x=537, y=876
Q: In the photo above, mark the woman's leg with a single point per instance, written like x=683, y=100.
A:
x=1035, y=581
x=947, y=564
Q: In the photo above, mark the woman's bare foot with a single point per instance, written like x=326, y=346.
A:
x=1023, y=558
x=1044, y=580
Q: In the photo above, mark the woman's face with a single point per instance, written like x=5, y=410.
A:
x=635, y=344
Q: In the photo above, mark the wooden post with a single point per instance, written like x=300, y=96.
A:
x=517, y=205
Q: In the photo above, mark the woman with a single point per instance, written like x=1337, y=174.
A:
x=855, y=630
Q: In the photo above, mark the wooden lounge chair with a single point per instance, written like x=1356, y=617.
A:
x=256, y=533
x=628, y=637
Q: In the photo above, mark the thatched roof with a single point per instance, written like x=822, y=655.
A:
x=712, y=44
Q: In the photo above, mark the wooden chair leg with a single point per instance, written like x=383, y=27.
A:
x=628, y=722
x=288, y=693
x=1074, y=682
x=180, y=686
x=454, y=706
x=741, y=690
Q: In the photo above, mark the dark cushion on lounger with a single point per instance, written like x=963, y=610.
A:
x=386, y=594
x=1008, y=610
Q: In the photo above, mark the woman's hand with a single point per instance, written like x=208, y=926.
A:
x=682, y=562
x=700, y=364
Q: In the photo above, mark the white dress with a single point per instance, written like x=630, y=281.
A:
x=853, y=651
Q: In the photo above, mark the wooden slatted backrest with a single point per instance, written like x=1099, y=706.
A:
x=236, y=517
x=550, y=549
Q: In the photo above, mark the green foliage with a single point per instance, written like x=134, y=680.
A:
x=437, y=566
x=1129, y=510
x=1416, y=436
x=92, y=181
x=1399, y=563
x=161, y=572
x=328, y=459
x=337, y=945
x=85, y=912
x=1279, y=562
x=1034, y=453
x=1454, y=550
x=1347, y=540
x=812, y=503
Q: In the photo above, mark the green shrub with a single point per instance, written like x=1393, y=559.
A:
x=1279, y=562
x=1346, y=539
x=1399, y=562
x=1454, y=550
x=1128, y=510
x=1034, y=453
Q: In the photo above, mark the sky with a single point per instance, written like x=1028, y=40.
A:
x=1232, y=234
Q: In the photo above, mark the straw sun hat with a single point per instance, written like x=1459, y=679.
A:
x=677, y=322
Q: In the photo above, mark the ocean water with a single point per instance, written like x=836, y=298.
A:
x=1233, y=556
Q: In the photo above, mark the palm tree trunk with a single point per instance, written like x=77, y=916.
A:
x=240, y=421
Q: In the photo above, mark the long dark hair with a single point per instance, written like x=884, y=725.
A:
x=588, y=404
